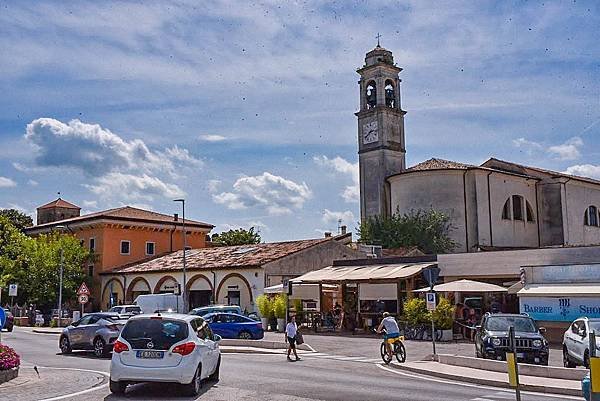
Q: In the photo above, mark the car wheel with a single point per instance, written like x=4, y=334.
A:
x=193, y=389
x=245, y=335
x=9, y=329
x=65, y=345
x=117, y=387
x=215, y=375
x=100, y=347
x=566, y=360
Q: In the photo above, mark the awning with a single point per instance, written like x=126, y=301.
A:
x=278, y=288
x=560, y=290
x=465, y=286
x=364, y=273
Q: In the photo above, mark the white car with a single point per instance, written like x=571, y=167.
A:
x=171, y=348
x=126, y=311
x=576, y=342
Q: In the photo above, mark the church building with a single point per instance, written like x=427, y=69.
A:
x=494, y=206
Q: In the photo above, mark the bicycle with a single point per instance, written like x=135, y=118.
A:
x=397, y=349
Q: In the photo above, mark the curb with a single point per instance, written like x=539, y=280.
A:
x=488, y=382
x=45, y=331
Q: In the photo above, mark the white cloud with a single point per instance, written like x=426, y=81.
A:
x=351, y=193
x=257, y=224
x=212, y=138
x=329, y=217
x=7, y=182
x=90, y=204
x=132, y=187
x=529, y=146
x=33, y=183
x=585, y=170
x=182, y=156
x=213, y=186
x=568, y=150
x=274, y=193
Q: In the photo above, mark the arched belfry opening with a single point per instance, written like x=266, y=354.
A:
x=371, y=94
x=390, y=94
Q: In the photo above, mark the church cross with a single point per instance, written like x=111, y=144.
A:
x=378, y=36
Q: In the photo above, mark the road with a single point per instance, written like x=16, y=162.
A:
x=243, y=377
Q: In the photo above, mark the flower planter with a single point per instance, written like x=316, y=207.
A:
x=447, y=335
x=9, y=374
x=265, y=323
x=281, y=325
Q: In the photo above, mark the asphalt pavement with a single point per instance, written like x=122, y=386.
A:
x=320, y=376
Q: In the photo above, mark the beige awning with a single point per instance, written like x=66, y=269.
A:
x=515, y=288
x=465, y=286
x=364, y=273
x=278, y=288
x=560, y=290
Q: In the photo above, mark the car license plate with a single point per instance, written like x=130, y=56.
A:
x=150, y=354
x=520, y=355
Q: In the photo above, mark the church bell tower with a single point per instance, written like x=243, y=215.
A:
x=381, y=146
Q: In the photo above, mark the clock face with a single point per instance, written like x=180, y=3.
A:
x=370, y=134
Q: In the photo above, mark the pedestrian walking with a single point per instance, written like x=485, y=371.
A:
x=290, y=333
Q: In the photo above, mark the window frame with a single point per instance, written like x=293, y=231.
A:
x=128, y=247
x=153, y=248
x=590, y=217
x=517, y=212
x=90, y=241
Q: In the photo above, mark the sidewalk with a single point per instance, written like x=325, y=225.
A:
x=490, y=378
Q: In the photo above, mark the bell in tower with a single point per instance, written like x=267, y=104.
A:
x=381, y=145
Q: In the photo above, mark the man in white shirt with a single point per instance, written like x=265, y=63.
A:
x=391, y=330
x=290, y=332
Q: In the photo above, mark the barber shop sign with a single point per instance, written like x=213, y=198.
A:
x=560, y=309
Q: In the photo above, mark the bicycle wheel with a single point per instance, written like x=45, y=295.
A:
x=384, y=355
x=400, y=351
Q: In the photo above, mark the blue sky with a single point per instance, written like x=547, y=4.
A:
x=247, y=109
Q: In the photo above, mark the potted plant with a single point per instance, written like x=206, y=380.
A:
x=443, y=318
x=265, y=309
x=9, y=363
x=279, y=308
x=415, y=314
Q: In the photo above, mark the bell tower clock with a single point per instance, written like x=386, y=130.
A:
x=381, y=146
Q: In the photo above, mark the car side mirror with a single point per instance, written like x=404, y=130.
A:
x=217, y=338
x=542, y=330
x=478, y=327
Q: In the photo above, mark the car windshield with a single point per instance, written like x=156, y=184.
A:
x=595, y=326
x=502, y=323
x=163, y=333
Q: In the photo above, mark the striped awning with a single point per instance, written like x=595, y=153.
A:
x=363, y=273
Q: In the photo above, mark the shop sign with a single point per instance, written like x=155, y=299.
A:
x=566, y=274
x=563, y=309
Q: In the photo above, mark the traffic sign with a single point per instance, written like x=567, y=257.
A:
x=83, y=289
x=12, y=290
x=83, y=299
x=2, y=318
x=431, y=303
x=431, y=275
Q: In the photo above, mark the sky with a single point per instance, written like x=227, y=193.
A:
x=247, y=109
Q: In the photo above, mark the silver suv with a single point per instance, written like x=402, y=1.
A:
x=94, y=332
x=576, y=342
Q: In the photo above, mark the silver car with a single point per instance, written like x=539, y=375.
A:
x=94, y=332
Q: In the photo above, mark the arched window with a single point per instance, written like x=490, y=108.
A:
x=590, y=217
x=506, y=210
x=371, y=94
x=390, y=94
x=529, y=210
x=517, y=206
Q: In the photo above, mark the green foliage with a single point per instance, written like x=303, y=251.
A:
x=280, y=306
x=298, y=305
x=428, y=230
x=415, y=311
x=18, y=219
x=443, y=315
x=237, y=237
x=33, y=263
x=265, y=306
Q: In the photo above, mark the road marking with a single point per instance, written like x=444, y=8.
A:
x=89, y=390
x=457, y=383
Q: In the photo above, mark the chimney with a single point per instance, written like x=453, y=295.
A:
x=175, y=217
x=327, y=234
x=344, y=229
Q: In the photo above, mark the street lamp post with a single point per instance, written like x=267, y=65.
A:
x=185, y=303
x=61, y=268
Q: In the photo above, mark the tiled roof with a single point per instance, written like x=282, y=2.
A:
x=403, y=251
x=126, y=213
x=59, y=203
x=222, y=257
x=503, y=165
x=439, y=164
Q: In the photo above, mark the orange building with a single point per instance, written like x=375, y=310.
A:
x=120, y=236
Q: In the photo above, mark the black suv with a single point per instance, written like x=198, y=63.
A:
x=491, y=338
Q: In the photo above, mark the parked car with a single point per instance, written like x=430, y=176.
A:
x=152, y=303
x=10, y=320
x=94, y=332
x=576, y=342
x=234, y=325
x=165, y=348
x=126, y=311
x=492, y=341
x=205, y=310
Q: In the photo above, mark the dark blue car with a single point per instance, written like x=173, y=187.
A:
x=232, y=325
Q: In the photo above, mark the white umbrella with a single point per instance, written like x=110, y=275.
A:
x=465, y=286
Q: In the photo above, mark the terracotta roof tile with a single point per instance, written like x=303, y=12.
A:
x=438, y=164
x=222, y=257
x=59, y=203
x=403, y=251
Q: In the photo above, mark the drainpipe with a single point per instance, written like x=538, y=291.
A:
x=124, y=289
x=465, y=202
x=214, y=287
x=490, y=208
x=566, y=240
x=537, y=218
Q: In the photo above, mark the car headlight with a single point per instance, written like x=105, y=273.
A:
x=537, y=343
x=496, y=342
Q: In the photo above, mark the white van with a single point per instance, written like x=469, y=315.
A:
x=152, y=303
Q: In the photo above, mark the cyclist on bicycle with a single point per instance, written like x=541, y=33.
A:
x=391, y=331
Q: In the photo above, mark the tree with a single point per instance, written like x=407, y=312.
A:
x=237, y=237
x=18, y=219
x=428, y=230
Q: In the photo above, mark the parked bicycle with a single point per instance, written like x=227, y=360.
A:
x=420, y=331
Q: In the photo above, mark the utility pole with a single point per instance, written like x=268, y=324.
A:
x=60, y=285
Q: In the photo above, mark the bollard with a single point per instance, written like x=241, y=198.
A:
x=511, y=363
x=594, y=368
